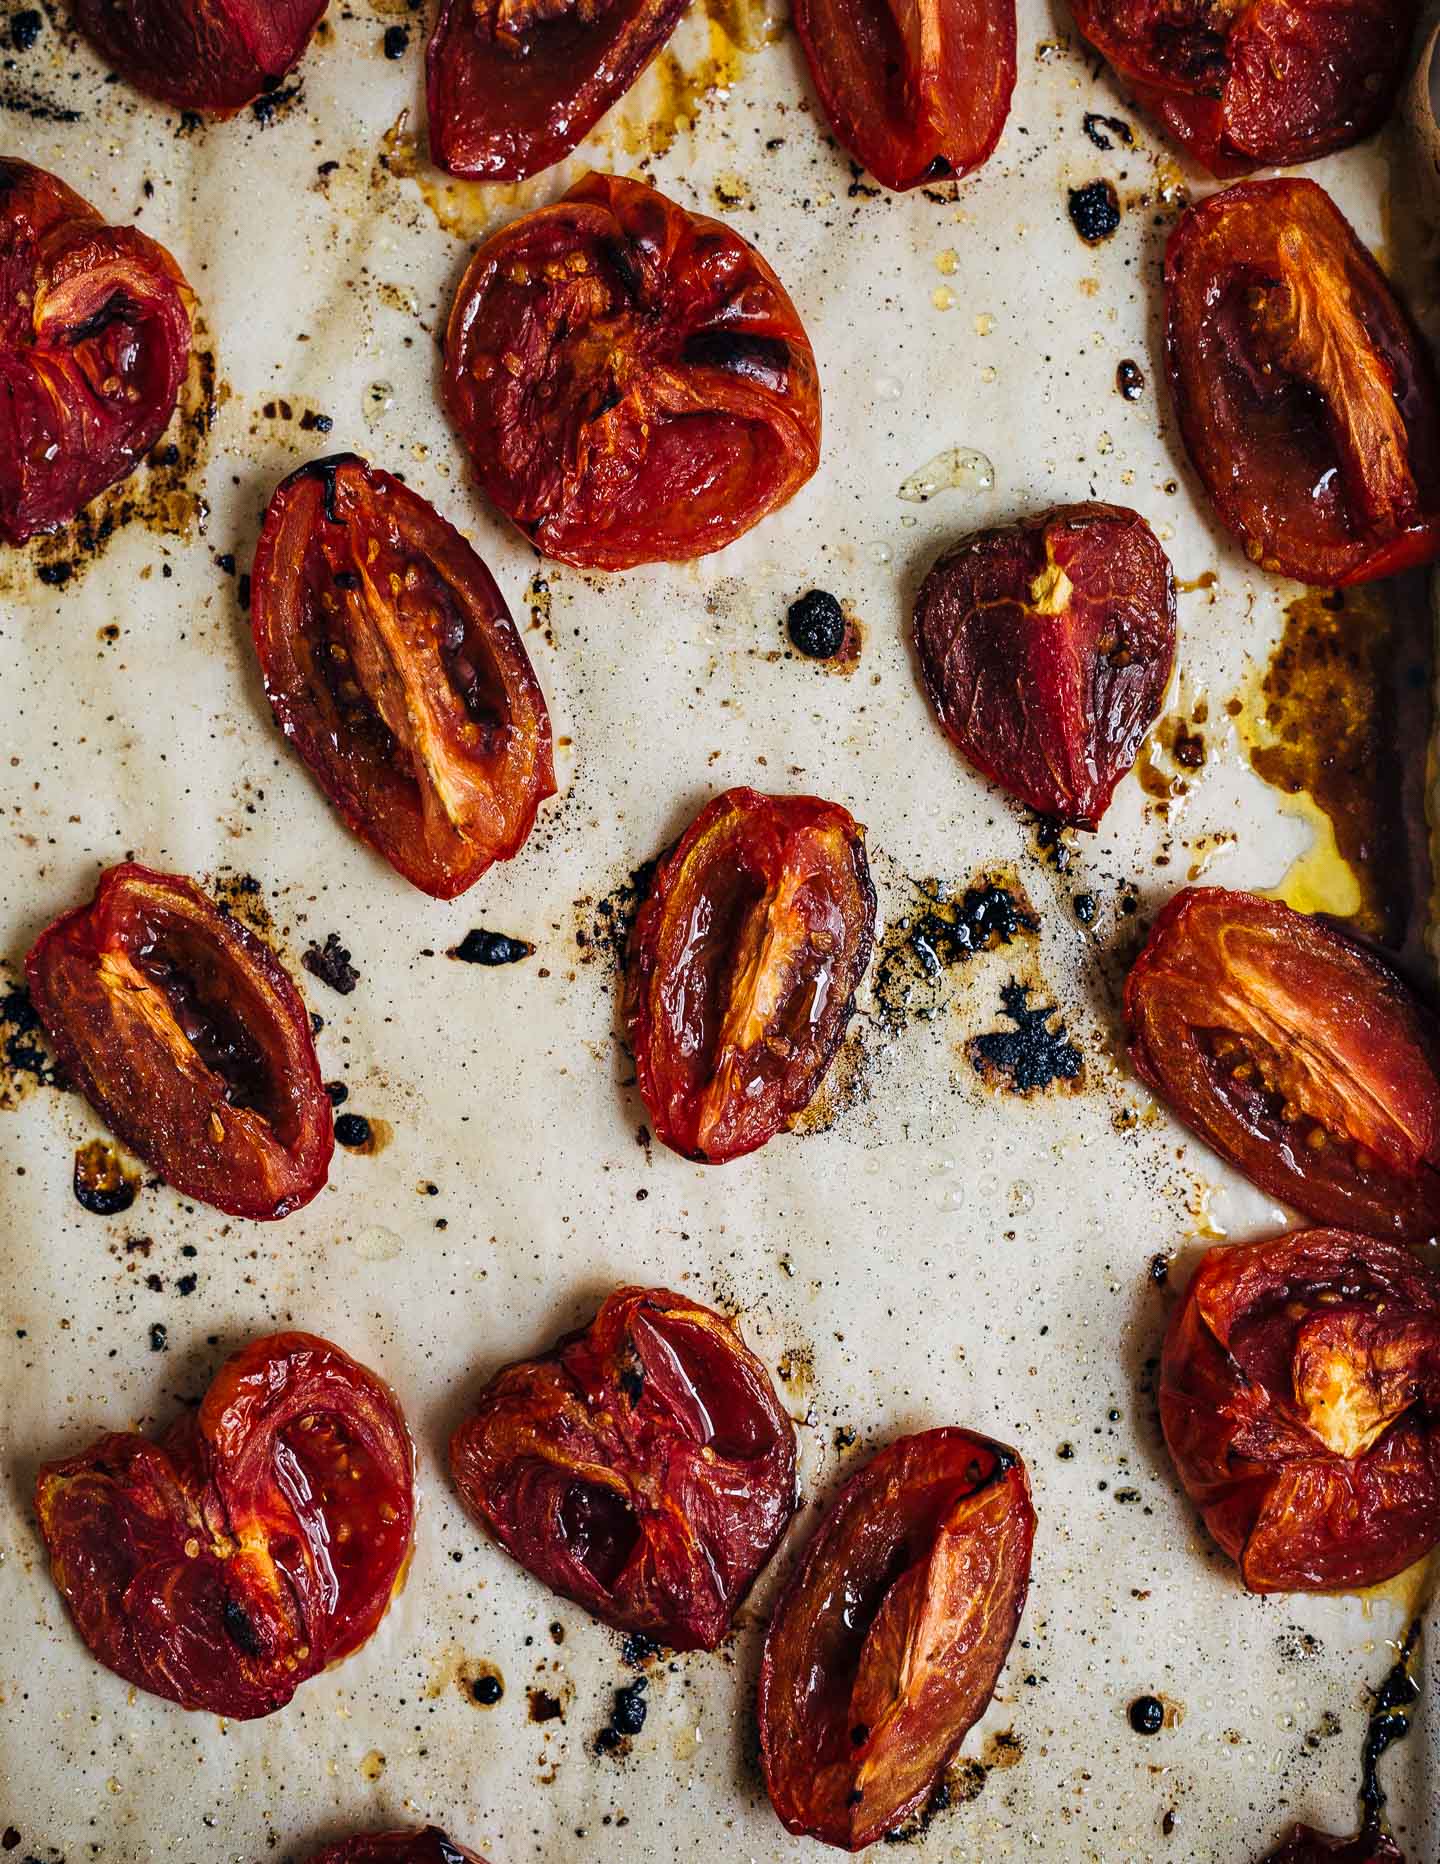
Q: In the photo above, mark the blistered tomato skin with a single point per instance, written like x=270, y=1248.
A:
x=630, y=379
x=257, y=1542
x=890, y=1635
x=1295, y=1053
x=1307, y=400
x=644, y=1467
x=94, y=345
x=917, y=94
x=1305, y=1845
x=1300, y=1400
x=210, y=55
x=1046, y=649
x=183, y=1031
x=392, y=664
x=743, y=965
x=514, y=85
x=1264, y=85
x=419, y=1846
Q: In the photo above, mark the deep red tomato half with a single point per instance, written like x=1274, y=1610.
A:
x=94, y=345
x=392, y=664
x=1260, y=85
x=211, y=55
x=630, y=379
x=418, y=1846
x=1300, y=1399
x=916, y=93
x=1306, y=397
x=643, y=1467
x=743, y=965
x=259, y=1541
x=1297, y=1054
x=513, y=85
x=1307, y=1846
x=1046, y=648
x=889, y=1638
x=189, y=1039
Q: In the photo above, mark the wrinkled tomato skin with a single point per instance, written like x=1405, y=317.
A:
x=644, y=1467
x=743, y=965
x=890, y=1635
x=209, y=55
x=631, y=381
x=1046, y=649
x=238, y=1556
x=1296, y=1054
x=420, y=1846
x=1305, y=1845
x=94, y=345
x=1300, y=1400
x=234, y=1112
x=916, y=94
x=391, y=663
x=513, y=86
x=1261, y=86
x=1307, y=400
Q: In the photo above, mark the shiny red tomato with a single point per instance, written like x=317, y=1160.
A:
x=392, y=664
x=94, y=345
x=889, y=1638
x=1308, y=403
x=212, y=55
x=418, y=1846
x=514, y=85
x=643, y=1467
x=1046, y=648
x=743, y=967
x=1297, y=1054
x=259, y=1541
x=916, y=93
x=183, y=1031
x=1307, y=1846
x=631, y=381
x=1258, y=85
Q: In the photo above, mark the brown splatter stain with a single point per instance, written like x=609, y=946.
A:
x=796, y=1370
x=25, y=1062
x=241, y=897
x=1003, y=1749
x=102, y=1184
x=544, y=1707
x=602, y=927
x=1178, y=742
x=464, y=209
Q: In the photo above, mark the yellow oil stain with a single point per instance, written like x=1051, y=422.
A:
x=466, y=209
x=668, y=99
x=1413, y=1590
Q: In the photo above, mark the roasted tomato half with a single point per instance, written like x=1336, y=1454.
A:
x=890, y=1635
x=257, y=1542
x=212, y=55
x=1046, y=648
x=1307, y=400
x=1297, y=1054
x=915, y=93
x=743, y=967
x=514, y=85
x=1300, y=1398
x=631, y=380
x=392, y=664
x=1307, y=1846
x=182, y=1030
x=1258, y=85
x=643, y=1467
x=94, y=345
x=427, y=1846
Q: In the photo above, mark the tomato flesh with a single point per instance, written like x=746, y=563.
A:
x=427, y=1845
x=183, y=1031
x=889, y=1638
x=256, y=1543
x=210, y=55
x=644, y=1467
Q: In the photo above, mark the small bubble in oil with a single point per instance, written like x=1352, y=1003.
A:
x=888, y=388
x=379, y=400
x=962, y=468
x=879, y=552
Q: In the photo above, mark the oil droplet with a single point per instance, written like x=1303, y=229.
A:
x=887, y=388
x=984, y=324
x=379, y=400
x=943, y=298
x=987, y=374
x=373, y=1765
x=947, y=262
x=377, y=1244
x=962, y=468
x=879, y=552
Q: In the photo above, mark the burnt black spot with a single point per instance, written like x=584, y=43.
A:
x=481, y=947
x=265, y=109
x=1033, y=1054
x=627, y=1717
x=1094, y=211
x=1085, y=908
x=1147, y=1715
x=816, y=624
x=623, y=263
x=117, y=309
x=352, y=1129
x=242, y=592
x=102, y=1185
x=1389, y=1723
x=159, y=1338
x=55, y=574
x=397, y=41
x=1130, y=379
x=637, y=1649
x=943, y=930
x=487, y=1690
x=17, y=100
x=545, y=1707
x=25, y=28
x=330, y=962
x=347, y=580
x=765, y=360
x=1159, y=1270
x=339, y=1093
x=23, y=1052
x=632, y=1383
x=941, y=169
x=1096, y=126
x=239, y=1629
x=327, y=471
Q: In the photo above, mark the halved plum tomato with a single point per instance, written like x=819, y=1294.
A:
x=1307, y=1846
x=890, y=1635
x=211, y=55
x=513, y=85
x=1297, y=1054
x=392, y=664
x=1307, y=400
x=1300, y=1399
x=191, y=1042
x=94, y=345
x=743, y=966
x=257, y=1542
x=1046, y=648
x=916, y=93
x=1258, y=85
x=418, y=1846
x=643, y=1467
x=630, y=379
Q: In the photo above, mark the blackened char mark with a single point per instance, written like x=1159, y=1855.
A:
x=327, y=471
x=765, y=360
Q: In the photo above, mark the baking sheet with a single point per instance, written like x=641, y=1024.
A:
x=932, y=1250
